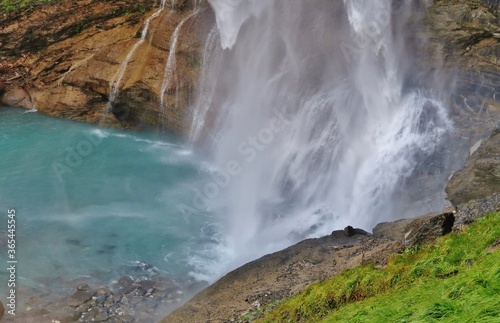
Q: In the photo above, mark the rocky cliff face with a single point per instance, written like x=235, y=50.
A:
x=481, y=175
x=60, y=58
x=465, y=43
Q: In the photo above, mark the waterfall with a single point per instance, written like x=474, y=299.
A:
x=114, y=83
x=170, y=66
x=206, y=85
x=311, y=120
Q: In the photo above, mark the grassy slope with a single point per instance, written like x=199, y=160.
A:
x=455, y=280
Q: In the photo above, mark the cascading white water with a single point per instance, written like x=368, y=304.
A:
x=310, y=125
x=206, y=86
x=115, y=82
x=170, y=66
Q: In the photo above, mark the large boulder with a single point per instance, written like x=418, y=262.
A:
x=424, y=229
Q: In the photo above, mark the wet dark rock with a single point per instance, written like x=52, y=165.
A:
x=139, y=291
x=121, y=112
x=124, y=291
x=157, y=293
x=152, y=302
x=128, y=299
x=83, y=287
x=90, y=315
x=136, y=299
x=125, y=300
x=127, y=318
x=2, y=310
x=146, y=284
x=125, y=281
x=110, y=300
x=80, y=297
x=150, y=269
x=103, y=291
x=102, y=315
x=100, y=299
x=350, y=231
x=86, y=306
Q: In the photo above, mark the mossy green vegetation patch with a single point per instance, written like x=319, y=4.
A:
x=16, y=5
x=456, y=279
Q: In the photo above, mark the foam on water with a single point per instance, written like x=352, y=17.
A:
x=31, y=110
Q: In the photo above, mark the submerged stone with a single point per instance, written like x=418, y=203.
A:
x=79, y=297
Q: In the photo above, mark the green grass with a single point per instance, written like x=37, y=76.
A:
x=16, y=6
x=454, y=280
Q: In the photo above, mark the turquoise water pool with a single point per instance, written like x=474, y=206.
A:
x=94, y=203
